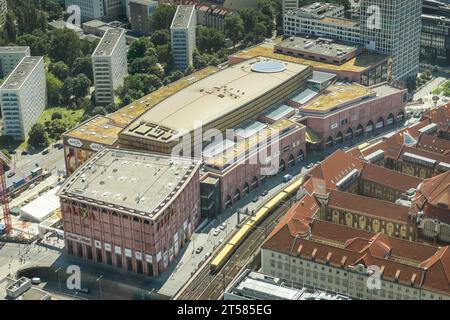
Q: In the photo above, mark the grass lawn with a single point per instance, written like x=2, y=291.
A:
x=71, y=117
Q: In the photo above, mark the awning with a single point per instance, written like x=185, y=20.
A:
x=312, y=137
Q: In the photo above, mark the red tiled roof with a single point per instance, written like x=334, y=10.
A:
x=434, y=144
x=390, y=178
x=406, y=262
x=440, y=116
x=334, y=168
x=433, y=197
x=368, y=206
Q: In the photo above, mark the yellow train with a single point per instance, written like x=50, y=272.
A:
x=248, y=227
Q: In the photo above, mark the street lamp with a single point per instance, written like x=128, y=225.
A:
x=59, y=278
x=100, y=286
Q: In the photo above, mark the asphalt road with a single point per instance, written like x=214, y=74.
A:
x=53, y=161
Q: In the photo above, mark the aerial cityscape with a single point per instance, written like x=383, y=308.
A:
x=232, y=150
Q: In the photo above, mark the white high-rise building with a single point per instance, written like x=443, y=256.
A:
x=109, y=63
x=182, y=33
x=98, y=9
x=23, y=97
x=10, y=57
x=396, y=32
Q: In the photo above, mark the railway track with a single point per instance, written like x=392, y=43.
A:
x=207, y=286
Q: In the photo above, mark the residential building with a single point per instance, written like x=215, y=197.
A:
x=109, y=63
x=23, y=97
x=341, y=259
x=183, y=38
x=10, y=57
x=131, y=210
x=140, y=13
x=98, y=9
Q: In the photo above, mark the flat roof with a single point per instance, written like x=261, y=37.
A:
x=319, y=46
x=137, y=182
x=216, y=96
x=17, y=78
x=338, y=94
x=239, y=151
x=182, y=17
x=109, y=42
x=107, y=128
x=94, y=23
x=360, y=63
x=14, y=49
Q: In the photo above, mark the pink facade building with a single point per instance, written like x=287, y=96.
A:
x=345, y=111
x=241, y=167
x=132, y=210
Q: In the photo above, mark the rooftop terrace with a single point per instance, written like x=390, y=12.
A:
x=336, y=95
x=360, y=63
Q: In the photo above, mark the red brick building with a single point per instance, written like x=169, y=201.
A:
x=132, y=210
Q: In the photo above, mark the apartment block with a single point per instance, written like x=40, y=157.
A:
x=98, y=9
x=10, y=57
x=109, y=62
x=182, y=33
x=140, y=13
x=23, y=97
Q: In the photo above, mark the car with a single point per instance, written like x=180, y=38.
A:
x=216, y=232
x=36, y=280
x=31, y=186
x=287, y=178
x=58, y=146
x=223, y=226
x=309, y=166
x=220, y=241
x=45, y=152
x=265, y=193
x=199, y=250
x=207, y=255
x=24, y=152
x=10, y=174
x=255, y=199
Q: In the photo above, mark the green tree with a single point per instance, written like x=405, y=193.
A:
x=142, y=65
x=9, y=30
x=209, y=40
x=164, y=54
x=64, y=46
x=81, y=85
x=38, y=43
x=160, y=37
x=249, y=18
x=112, y=107
x=54, y=86
x=99, y=111
x=55, y=128
x=83, y=65
x=162, y=18
x=138, y=49
x=38, y=138
x=56, y=115
x=234, y=28
x=59, y=69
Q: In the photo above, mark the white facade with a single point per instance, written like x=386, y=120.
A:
x=10, y=57
x=351, y=282
x=109, y=63
x=182, y=33
x=397, y=33
x=23, y=97
x=97, y=9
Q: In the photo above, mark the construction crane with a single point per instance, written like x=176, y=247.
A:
x=4, y=160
